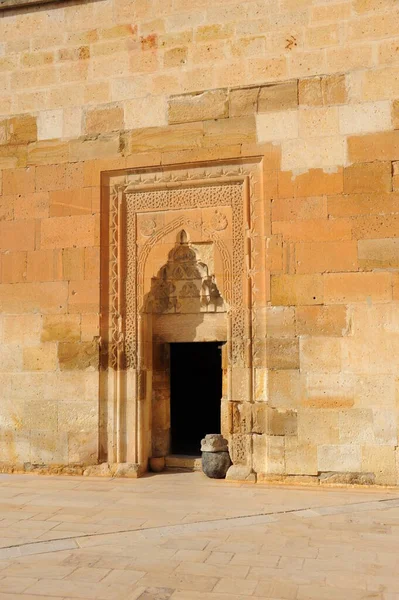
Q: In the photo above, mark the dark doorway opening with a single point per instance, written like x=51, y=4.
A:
x=195, y=394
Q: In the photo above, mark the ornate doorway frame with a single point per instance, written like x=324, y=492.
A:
x=124, y=381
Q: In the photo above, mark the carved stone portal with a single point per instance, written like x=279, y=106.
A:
x=181, y=257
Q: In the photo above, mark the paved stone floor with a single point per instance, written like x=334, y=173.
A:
x=181, y=536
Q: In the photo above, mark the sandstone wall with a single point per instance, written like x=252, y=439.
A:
x=314, y=87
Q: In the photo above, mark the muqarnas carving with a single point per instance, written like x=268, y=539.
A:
x=184, y=284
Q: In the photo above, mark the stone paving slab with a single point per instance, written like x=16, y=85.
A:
x=180, y=536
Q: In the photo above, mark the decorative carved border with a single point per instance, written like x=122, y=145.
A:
x=168, y=188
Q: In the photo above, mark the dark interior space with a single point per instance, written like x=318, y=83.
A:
x=195, y=394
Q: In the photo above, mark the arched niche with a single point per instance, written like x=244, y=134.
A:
x=183, y=304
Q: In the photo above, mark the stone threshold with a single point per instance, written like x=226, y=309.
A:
x=184, y=462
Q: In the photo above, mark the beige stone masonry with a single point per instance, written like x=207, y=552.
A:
x=268, y=133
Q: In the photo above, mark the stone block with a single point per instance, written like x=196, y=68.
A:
x=322, y=36
x=274, y=126
x=44, y=265
x=25, y=297
x=357, y=287
x=370, y=388
x=259, y=453
x=381, y=83
x=65, y=203
x=318, y=122
x=332, y=477
x=329, y=391
x=284, y=388
x=50, y=124
x=95, y=147
x=142, y=112
x=282, y=353
x=382, y=461
x=314, y=183
x=243, y=101
x=241, y=414
x=22, y=129
x=320, y=354
x=378, y=146
x=83, y=296
x=300, y=458
x=56, y=232
x=40, y=358
x=101, y=470
x=228, y=132
x=77, y=356
x=13, y=156
x=78, y=416
x=343, y=457
x=356, y=426
x=239, y=446
x=31, y=206
x=61, y=328
x=373, y=227
x=104, y=119
x=203, y=106
x=275, y=449
x=318, y=426
x=82, y=447
x=17, y=235
x=368, y=177
x=300, y=154
x=48, y=153
x=321, y=257
x=260, y=413
x=13, y=267
x=321, y=320
x=158, y=139
x=385, y=432
x=395, y=114
x=293, y=290
x=281, y=422
x=362, y=205
x=365, y=118
x=240, y=473
x=23, y=329
x=18, y=181
x=378, y=254
x=73, y=264
x=278, y=96
x=280, y=321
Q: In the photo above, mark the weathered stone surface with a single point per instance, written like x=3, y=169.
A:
x=214, y=442
x=198, y=107
x=243, y=102
x=128, y=470
x=102, y=470
x=279, y=96
x=215, y=464
x=347, y=478
x=76, y=356
x=240, y=473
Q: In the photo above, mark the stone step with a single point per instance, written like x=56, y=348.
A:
x=183, y=461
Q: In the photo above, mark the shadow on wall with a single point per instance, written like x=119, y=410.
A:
x=183, y=285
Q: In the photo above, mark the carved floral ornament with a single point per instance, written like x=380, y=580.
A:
x=218, y=221
x=148, y=226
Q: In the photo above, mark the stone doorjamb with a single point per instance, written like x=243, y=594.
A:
x=124, y=405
